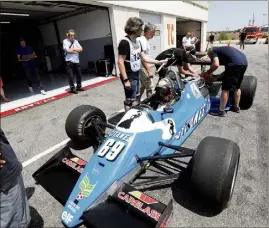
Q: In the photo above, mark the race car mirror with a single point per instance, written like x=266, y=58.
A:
x=168, y=109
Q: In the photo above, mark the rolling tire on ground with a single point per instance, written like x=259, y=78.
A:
x=248, y=91
x=214, y=169
x=79, y=128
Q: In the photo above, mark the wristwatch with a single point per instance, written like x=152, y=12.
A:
x=126, y=80
x=151, y=76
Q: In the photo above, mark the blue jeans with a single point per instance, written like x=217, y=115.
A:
x=14, y=208
x=133, y=92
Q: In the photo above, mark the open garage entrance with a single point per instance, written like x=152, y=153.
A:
x=186, y=25
x=43, y=25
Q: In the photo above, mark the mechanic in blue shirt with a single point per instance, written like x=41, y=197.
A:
x=29, y=65
x=14, y=208
x=72, y=48
x=236, y=64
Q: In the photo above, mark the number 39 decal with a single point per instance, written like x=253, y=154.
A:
x=111, y=149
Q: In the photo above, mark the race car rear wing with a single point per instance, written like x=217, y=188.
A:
x=60, y=173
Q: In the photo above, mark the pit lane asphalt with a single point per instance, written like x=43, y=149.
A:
x=33, y=131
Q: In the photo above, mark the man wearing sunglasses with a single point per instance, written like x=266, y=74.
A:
x=72, y=48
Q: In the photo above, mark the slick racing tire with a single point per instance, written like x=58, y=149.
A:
x=214, y=169
x=79, y=128
x=248, y=91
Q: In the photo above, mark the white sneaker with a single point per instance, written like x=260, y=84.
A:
x=31, y=89
x=43, y=92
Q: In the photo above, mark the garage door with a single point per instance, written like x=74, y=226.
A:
x=155, y=42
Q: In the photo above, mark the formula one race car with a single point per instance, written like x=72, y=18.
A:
x=101, y=192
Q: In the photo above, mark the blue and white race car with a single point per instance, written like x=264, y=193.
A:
x=101, y=192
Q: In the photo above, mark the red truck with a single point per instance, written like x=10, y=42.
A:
x=253, y=34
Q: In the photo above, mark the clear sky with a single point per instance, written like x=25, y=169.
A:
x=236, y=14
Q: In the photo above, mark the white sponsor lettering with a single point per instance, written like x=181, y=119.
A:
x=120, y=135
x=67, y=217
x=73, y=207
x=194, y=120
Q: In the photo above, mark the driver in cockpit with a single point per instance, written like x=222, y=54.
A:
x=165, y=93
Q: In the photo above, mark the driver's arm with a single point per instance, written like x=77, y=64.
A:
x=147, y=67
x=190, y=69
x=214, y=66
x=181, y=70
x=149, y=60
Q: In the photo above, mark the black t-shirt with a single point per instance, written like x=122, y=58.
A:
x=243, y=36
x=179, y=54
x=12, y=168
x=211, y=38
x=124, y=49
x=229, y=56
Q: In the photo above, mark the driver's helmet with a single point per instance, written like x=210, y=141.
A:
x=164, y=90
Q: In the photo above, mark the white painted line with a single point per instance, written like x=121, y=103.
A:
x=48, y=151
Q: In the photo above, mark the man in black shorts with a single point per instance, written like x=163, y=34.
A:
x=129, y=61
x=242, y=38
x=236, y=64
x=181, y=61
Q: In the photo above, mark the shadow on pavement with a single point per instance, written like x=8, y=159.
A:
x=182, y=191
x=36, y=219
x=189, y=198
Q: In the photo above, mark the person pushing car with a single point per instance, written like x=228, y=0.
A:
x=236, y=64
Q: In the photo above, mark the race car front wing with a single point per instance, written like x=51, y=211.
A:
x=129, y=208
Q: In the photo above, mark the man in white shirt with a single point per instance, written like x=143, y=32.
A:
x=186, y=41
x=72, y=49
x=145, y=74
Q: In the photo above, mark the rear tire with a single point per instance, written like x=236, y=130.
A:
x=214, y=169
x=78, y=125
x=248, y=91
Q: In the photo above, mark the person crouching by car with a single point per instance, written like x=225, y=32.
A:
x=14, y=208
x=236, y=64
x=181, y=60
x=129, y=61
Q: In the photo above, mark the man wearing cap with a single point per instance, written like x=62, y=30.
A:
x=236, y=64
x=27, y=56
x=72, y=48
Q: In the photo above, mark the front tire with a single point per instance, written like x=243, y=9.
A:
x=214, y=169
x=79, y=128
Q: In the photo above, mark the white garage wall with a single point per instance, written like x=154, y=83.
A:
x=204, y=36
x=92, y=32
x=169, y=41
x=93, y=25
x=176, y=8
